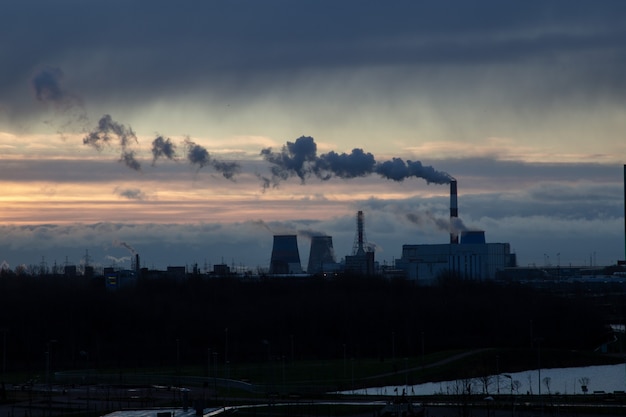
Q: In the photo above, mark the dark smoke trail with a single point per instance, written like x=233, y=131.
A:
x=227, y=169
x=196, y=154
x=103, y=133
x=128, y=157
x=199, y=156
x=293, y=158
x=106, y=132
x=47, y=84
x=300, y=159
x=162, y=147
x=353, y=165
x=69, y=107
x=398, y=170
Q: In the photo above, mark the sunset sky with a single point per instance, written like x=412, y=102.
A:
x=524, y=103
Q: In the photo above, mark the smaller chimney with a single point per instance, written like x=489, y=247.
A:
x=454, y=213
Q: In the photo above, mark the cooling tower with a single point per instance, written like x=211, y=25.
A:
x=285, y=255
x=322, y=253
x=454, y=213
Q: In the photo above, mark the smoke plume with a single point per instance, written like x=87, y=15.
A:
x=108, y=131
x=71, y=114
x=300, y=159
x=47, y=85
x=125, y=245
x=200, y=157
x=131, y=193
x=162, y=148
x=454, y=225
x=310, y=234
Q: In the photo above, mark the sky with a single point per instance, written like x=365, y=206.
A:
x=193, y=131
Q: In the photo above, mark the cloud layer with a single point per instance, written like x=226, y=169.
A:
x=522, y=102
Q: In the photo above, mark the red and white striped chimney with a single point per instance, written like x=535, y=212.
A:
x=454, y=213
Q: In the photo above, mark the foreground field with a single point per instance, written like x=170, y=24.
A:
x=307, y=385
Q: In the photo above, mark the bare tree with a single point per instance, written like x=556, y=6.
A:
x=546, y=382
x=485, y=381
x=584, y=384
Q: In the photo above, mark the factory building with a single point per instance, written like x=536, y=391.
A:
x=471, y=259
x=285, y=256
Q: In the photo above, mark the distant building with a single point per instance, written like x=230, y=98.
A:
x=361, y=263
x=221, y=270
x=70, y=271
x=472, y=259
x=176, y=272
x=115, y=280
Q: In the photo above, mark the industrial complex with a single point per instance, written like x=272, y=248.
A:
x=467, y=256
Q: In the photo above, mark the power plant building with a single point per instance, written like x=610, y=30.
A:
x=471, y=259
x=285, y=256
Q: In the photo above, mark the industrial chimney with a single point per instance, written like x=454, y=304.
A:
x=454, y=213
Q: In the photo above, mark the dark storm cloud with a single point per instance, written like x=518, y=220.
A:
x=219, y=40
x=300, y=159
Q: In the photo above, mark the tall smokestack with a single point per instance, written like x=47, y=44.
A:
x=454, y=213
x=624, y=212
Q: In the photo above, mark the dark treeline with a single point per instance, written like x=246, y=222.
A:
x=77, y=323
